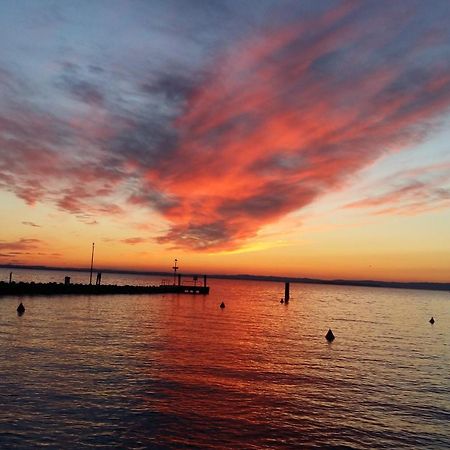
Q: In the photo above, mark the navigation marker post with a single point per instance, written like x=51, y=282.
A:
x=175, y=268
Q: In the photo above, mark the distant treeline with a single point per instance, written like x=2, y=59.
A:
x=363, y=283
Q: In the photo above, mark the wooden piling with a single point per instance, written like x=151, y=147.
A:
x=286, y=292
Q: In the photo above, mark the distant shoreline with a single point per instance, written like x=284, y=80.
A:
x=423, y=285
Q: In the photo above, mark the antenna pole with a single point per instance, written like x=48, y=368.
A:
x=92, y=263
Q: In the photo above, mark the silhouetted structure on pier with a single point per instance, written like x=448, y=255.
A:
x=65, y=288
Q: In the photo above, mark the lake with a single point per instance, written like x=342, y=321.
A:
x=176, y=371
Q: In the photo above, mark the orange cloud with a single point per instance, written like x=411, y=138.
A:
x=288, y=117
x=12, y=251
x=285, y=114
x=134, y=240
x=23, y=244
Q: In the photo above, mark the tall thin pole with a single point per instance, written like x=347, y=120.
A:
x=92, y=263
x=286, y=292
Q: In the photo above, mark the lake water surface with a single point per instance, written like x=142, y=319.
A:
x=176, y=371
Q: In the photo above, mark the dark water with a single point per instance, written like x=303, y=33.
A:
x=176, y=371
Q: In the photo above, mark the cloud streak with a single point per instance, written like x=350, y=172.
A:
x=30, y=224
x=22, y=247
x=134, y=240
x=292, y=115
x=24, y=244
x=415, y=191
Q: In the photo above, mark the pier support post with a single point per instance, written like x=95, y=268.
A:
x=10, y=277
x=204, y=280
x=179, y=279
x=286, y=292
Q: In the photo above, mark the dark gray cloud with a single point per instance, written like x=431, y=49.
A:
x=152, y=198
x=147, y=140
x=30, y=224
x=84, y=91
x=199, y=236
x=173, y=87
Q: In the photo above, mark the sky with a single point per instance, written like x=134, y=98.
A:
x=295, y=138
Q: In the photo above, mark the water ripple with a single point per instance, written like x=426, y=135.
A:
x=177, y=372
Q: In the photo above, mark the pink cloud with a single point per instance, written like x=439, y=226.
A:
x=274, y=121
x=12, y=251
x=23, y=246
x=415, y=191
x=20, y=245
x=282, y=120
x=134, y=240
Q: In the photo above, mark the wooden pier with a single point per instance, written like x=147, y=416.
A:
x=33, y=289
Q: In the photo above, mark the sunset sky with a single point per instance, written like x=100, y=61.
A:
x=297, y=138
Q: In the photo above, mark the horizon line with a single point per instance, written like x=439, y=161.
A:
x=431, y=285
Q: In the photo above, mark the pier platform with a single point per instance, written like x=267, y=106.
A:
x=33, y=289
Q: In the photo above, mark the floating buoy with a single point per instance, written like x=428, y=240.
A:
x=329, y=336
x=222, y=305
x=432, y=320
x=20, y=309
x=282, y=300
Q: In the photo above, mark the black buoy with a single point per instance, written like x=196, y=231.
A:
x=282, y=300
x=20, y=309
x=222, y=305
x=432, y=320
x=329, y=336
